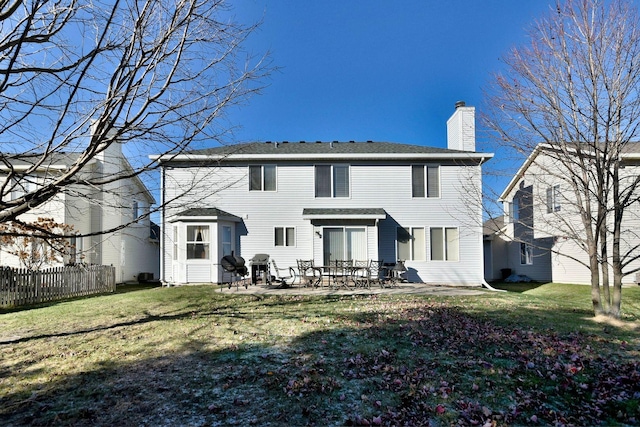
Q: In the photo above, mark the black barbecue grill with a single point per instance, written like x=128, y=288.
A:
x=234, y=265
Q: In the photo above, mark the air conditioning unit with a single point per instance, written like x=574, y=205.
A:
x=145, y=277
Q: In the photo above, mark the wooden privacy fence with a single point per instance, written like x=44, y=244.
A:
x=19, y=286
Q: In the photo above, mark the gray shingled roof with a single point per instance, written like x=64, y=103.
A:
x=55, y=158
x=205, y=212
x=263, y=148
x=344, y=211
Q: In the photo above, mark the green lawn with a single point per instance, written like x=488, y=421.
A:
x=195, y=356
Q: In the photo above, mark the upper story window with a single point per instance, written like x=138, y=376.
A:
x=262, y=178
x=136, y=209
x=332, y=181
x=425, y=181
x=553, y=199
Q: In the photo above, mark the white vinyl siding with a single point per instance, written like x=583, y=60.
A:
x=371, y=185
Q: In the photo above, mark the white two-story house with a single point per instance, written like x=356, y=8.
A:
x=543, y=236
x=325, y=201
x=132, y=248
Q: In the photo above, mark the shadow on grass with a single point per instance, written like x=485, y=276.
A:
x=135, y=287
x=519, y=287
x=408, y=365
x=120, y=289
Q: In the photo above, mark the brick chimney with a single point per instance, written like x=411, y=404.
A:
x=461, y=128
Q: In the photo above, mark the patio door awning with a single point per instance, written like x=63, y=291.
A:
x=343, y=214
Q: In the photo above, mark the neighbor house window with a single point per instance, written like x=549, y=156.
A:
x=75, y=250
x=136, y=210
x=262, y=178
x=444, y=244
x=21, y=185
x=197, y=242
x=411, y=243
x=425, y=181
x=526, y=254
x=553, y=199
x=285, y=236
x=332, y=181
x=514, y=210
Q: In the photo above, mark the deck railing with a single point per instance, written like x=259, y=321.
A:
x=19, y=286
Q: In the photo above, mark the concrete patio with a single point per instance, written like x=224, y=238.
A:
x=402, y=288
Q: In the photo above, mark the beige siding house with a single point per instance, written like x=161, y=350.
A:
x=131, y=250
x=542, y=236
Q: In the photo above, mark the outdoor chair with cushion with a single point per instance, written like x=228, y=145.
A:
x=281, y=276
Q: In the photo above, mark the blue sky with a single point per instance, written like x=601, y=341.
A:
x=375, y=70
x=380, y=70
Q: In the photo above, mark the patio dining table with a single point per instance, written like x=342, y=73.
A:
x=338, y=277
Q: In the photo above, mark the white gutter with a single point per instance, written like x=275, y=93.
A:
x=322, y=156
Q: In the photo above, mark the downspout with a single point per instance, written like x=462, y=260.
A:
x=162, y=226
x=491, y=288
x=484, y=282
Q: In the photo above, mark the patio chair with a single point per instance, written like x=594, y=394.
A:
x=374, y=272
x=308, y=274
x=283, y=277
x=340, y=272
x=360, y=273
x=394, y=273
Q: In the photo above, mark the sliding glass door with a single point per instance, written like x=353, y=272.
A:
x=344, y=243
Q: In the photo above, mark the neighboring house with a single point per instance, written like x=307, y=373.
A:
x=132, y=250
x=326, y=201
x=542, y=230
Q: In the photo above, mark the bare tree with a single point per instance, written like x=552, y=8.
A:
x=574, y=89
x=34, y=249
x=77, y=78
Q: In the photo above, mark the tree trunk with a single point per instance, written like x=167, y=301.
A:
x=604, y=269
x=595, y=279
